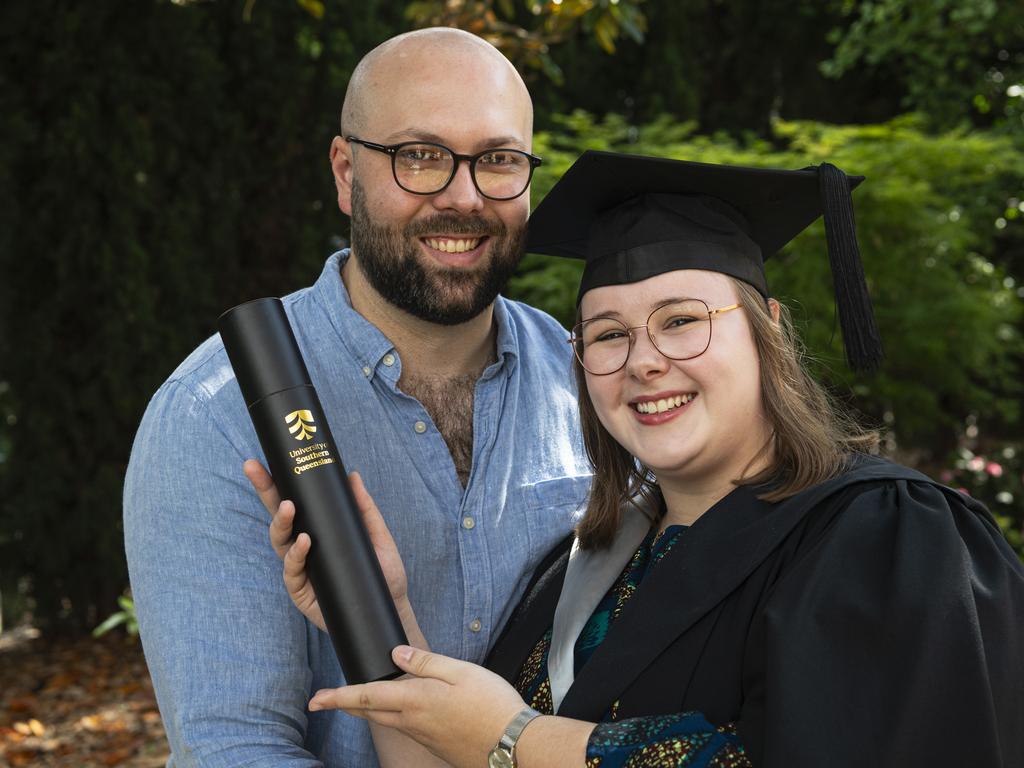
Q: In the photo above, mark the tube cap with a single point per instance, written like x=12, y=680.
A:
x=262, y=349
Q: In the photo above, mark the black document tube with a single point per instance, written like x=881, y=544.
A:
x=304, y=460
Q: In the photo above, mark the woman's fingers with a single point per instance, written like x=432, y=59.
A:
x=380, y=716
x=453, y=708
x=370, y=697
x=428, y=665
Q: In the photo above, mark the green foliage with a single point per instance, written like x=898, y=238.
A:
x=126, y=617
x=994, y=476
x=606, y=20
x=148, y=185
x=950, y=317
x=957, y=59
x=525, y=32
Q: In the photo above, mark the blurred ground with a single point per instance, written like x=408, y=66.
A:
x=77, y=703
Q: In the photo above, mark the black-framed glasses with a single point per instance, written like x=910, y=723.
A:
x=680, y=330
x=425, y=168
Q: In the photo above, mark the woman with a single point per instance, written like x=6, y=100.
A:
x=747, y=586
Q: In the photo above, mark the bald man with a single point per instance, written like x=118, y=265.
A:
x=454, y=404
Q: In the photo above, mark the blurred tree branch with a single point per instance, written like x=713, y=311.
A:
x=554, y=21
x=958, y=58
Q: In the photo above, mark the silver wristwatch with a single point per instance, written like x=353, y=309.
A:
x=504, y=753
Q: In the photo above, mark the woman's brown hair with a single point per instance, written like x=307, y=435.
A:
x=811, y=435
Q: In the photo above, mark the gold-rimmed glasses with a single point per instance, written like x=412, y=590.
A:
x=680, y=330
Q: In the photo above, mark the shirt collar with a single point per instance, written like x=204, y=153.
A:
x=369, y=347
x=507, y=342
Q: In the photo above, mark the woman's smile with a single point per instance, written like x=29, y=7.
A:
x=661, y=407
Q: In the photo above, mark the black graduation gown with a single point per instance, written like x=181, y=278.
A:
x=874, y=620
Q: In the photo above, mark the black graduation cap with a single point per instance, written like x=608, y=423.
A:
x=632, y=217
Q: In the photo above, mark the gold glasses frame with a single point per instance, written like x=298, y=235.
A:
x=576, y=339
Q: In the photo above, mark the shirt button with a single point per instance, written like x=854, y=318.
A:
x=468, y=523
x=389, y=360
x=366, y=371
x=420, y=427
x=475, y=625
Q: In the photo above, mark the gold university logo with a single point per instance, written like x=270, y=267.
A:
x=300, y=424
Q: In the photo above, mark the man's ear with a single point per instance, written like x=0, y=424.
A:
x=341, y=166
x=775, y=309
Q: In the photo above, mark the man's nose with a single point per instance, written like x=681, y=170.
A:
x=461, y=194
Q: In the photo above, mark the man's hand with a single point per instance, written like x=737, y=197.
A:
x=293, y=553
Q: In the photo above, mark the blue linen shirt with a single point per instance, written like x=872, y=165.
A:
x=233, y=661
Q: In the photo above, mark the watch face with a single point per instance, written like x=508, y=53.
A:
x=499, y=758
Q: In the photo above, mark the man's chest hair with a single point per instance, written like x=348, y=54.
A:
x=449, y=401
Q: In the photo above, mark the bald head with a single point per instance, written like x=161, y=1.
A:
x=414, y=57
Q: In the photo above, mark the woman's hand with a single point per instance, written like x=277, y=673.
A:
x=294, y=553
x=455, y=709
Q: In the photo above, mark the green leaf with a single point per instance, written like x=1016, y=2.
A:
x=111, y=622
x=314, y=8
x=605, y=32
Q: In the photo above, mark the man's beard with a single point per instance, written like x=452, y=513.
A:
x=391, y=262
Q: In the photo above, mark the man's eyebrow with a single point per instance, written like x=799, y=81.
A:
x=415, y=134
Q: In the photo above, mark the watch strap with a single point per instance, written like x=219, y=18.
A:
x=514, y=730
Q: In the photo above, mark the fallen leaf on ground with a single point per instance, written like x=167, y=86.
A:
x=77, y=703
x=19, y=757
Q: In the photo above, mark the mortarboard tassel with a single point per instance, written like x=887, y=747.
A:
x=856, y=318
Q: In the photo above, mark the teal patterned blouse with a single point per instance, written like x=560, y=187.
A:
x=664, y=741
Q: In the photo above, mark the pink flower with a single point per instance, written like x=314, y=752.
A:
x=976, y=464
x=996, y=470
x=964, y=491
x=945, y=476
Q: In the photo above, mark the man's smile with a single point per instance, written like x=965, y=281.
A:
x=453, y=244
